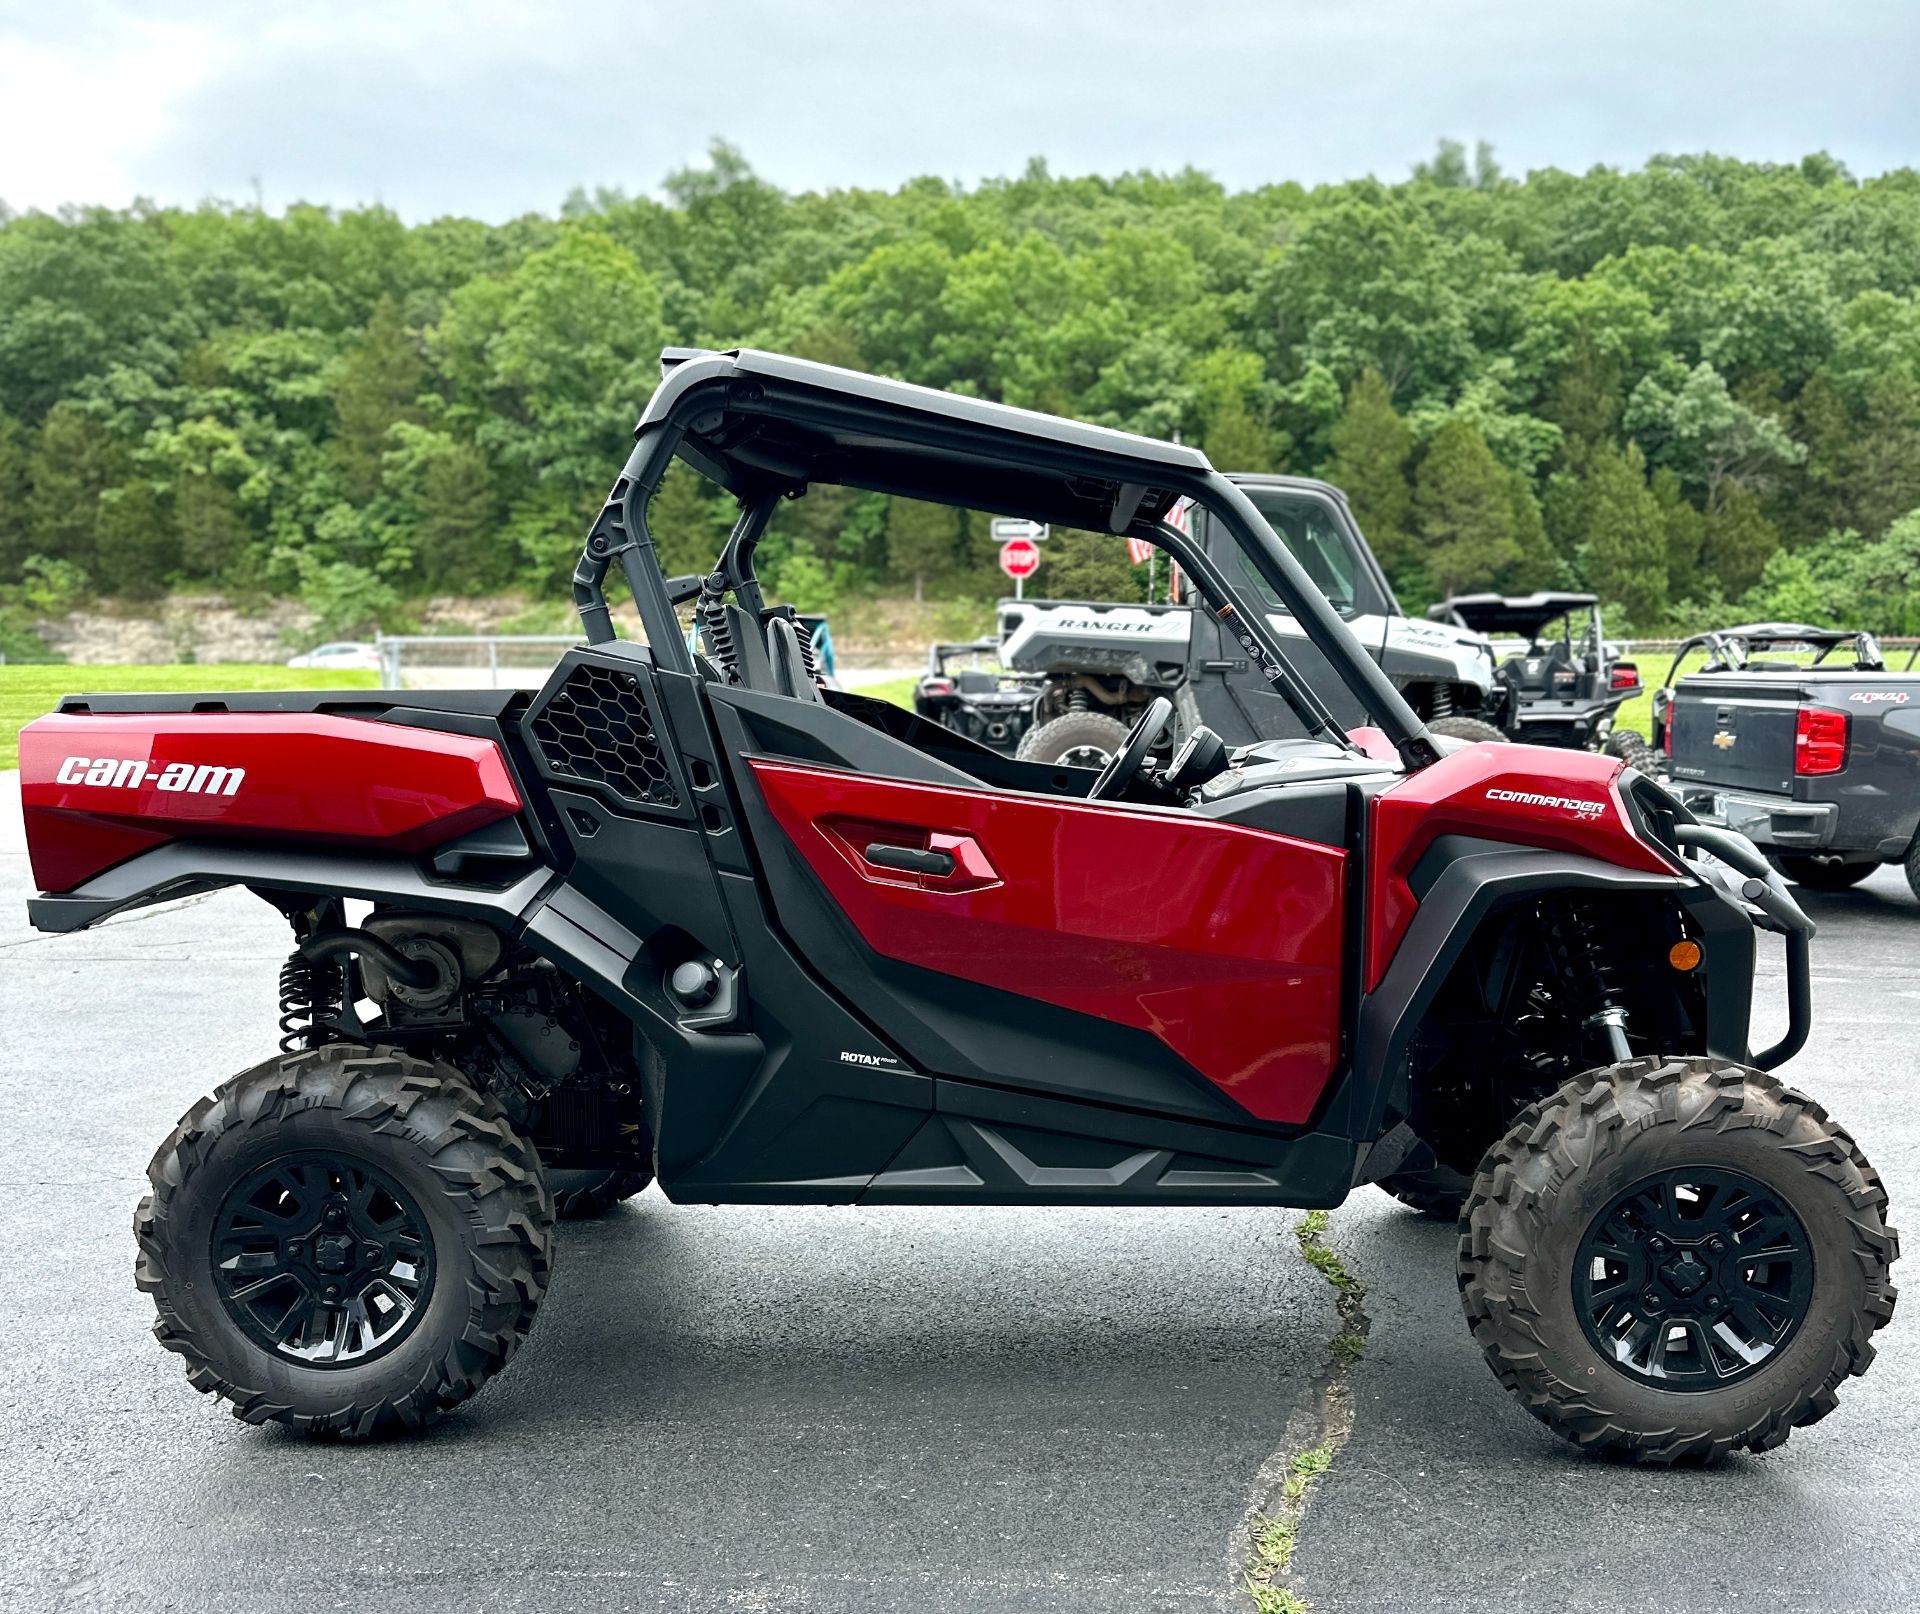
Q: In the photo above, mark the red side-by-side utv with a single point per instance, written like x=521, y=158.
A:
x=683, y=916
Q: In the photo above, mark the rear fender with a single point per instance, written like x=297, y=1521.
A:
x=97, y=789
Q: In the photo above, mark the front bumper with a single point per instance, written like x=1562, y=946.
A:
x=1793, y=826
x=1743, y=875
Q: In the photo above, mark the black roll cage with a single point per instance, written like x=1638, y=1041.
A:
x=764, y=427
x=1729, y=649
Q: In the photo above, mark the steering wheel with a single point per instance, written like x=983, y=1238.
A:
x=1125, y=763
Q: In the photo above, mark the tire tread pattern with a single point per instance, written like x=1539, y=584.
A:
x=1583, y=1123
x=469, y=1143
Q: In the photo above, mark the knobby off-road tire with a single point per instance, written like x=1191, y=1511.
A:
x=1465, y=728
x=1438, y=1192
x=1631, y=747
x=1913, y=867
x=1817, y=876
x=1540, y=1189
x=474, y=1182
x=578, y=1195
x=1086, y=732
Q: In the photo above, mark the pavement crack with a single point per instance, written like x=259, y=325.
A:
x=1260, y=1554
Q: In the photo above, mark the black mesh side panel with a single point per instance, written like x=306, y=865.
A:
x=597, y=728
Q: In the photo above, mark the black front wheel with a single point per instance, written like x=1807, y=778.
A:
x=1674, y=1259
x=344, y=1241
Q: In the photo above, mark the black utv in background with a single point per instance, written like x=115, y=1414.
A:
x=1816, y=760
x=1564, y=686
x=986, y=703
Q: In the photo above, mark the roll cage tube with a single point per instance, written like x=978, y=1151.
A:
x=1731, y=649
x=1316, y=616
x=1234, y=615
x=620, y=533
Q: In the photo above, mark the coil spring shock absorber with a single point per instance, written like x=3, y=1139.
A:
x=711, y=613
x=1442, y=700
x=312, y=992
x=1590, y=970
x=1078, y=700
x=807, y=661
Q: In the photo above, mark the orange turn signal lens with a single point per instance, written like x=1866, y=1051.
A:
x=1684, y=955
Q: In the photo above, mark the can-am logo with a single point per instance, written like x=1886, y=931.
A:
x=130, y=773
x=1566, y=804
x=1873, y=697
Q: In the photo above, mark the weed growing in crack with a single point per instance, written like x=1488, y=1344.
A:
x=1274, y=1533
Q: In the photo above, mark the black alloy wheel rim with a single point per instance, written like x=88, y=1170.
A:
x=322, y=1259
x=1694, y=1279
x=1085, y=756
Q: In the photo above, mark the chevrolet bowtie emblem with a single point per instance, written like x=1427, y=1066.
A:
x=1724, y=740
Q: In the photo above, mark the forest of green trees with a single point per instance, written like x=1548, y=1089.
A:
x=1694, y=388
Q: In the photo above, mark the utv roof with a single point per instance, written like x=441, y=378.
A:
x=1508, y=613
x=760, y=423
x=1274, y=479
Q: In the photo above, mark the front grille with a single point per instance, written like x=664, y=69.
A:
x=597, y=728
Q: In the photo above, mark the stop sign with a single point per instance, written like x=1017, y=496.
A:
x=1020, y=558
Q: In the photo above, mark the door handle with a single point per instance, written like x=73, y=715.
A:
x=911, y=859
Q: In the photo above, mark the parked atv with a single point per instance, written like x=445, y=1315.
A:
x=984, y=702
x=686, y=916
x=1102, y=664
x=1566, y=684
x=1816, y=760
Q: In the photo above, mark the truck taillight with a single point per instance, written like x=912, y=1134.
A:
x=1819, y=741
x=934, y=688
x=1625, y=676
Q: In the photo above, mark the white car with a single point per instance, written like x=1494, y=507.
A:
x=357, y=656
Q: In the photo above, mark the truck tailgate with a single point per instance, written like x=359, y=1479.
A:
x=1737, y=729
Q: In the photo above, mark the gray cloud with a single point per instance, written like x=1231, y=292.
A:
x=437, y=108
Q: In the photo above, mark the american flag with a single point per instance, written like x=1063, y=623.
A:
x=1140, y=550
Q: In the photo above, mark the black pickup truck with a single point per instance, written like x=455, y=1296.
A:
x=1816, y=759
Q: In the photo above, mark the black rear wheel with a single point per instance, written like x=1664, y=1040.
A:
x=1674, y=1259
x=1818, y=875
x=344, y=1240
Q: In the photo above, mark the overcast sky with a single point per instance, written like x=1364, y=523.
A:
x=493, y=109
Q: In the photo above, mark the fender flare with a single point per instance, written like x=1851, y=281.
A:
x=1473, y=878
x=187, y=868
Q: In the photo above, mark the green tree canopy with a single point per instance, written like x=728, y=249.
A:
x=340, y=402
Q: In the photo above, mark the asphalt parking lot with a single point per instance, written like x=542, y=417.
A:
x=776, y=1409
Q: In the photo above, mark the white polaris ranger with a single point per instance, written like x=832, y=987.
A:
x=1104, y=662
